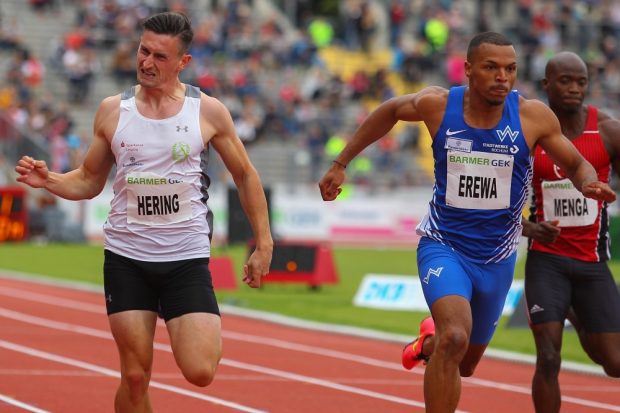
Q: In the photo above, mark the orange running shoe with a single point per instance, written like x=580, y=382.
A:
x=412, y=353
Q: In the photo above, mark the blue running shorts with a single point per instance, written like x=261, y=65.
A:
x=445, y=272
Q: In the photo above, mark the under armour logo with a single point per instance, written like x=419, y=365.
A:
x=109, y=298
x=432, y=272
x=185, y=128
x=507, y=132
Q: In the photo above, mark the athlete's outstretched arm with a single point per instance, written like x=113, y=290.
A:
x=88, y=180
x=422, y=106
x=548, y=135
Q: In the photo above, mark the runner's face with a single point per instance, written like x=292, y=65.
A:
x=159, y=59
x=492, y=72
x=566, y=86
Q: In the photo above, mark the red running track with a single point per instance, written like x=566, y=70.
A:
x=57, y=355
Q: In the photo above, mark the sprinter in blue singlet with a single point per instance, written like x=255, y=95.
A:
x=483, y=137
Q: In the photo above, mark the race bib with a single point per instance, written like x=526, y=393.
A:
x=157, y=200
x=562, y=201
x=479, y=180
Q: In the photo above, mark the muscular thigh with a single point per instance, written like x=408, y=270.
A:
x=491, y=283
x=195, y=337
x=127, y=286
x=173, y=288
x=547, y=287
x=186, y=287
x=442, y=272
x=596, y=300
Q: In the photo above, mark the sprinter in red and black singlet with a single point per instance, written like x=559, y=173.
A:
x=584, y=222
x=566, y=272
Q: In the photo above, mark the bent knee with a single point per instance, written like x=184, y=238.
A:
x=612, y=369
x=201, y=376
x=453, y=341
x=467, y=370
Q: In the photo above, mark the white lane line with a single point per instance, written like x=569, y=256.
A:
x=527, y=390
x=22, y=405
x=319, y=351
x=113, y=373
x=165, y=347
x=394, y=366
x=57, y=301
x=325, y=352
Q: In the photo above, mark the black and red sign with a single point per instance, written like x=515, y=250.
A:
x=13, y=214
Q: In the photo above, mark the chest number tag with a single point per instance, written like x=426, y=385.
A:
x=479, y=180
x=157, y=200
x=562, y=201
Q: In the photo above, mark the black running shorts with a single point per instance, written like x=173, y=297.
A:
x=553, y=283
x=173, y=288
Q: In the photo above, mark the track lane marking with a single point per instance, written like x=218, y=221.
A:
x=77, y=305
x=21, y=405
x=74, y=328
x=113, y=373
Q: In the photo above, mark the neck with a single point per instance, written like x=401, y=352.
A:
x=479, y=113
x=572, y=122
x=161, y=93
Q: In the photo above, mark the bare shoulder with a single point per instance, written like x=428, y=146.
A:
x=536, y=114
x=609, y=127
x=215, y=118
x=110, y=103
x=426, y=105
x=534, y=108
x=211, y=105
x=537, y=121
x=431, y=95
x=214, y=112
x=106, y=118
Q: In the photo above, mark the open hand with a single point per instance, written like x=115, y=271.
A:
x=599, y=191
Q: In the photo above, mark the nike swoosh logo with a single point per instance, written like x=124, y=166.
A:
x=454, y=132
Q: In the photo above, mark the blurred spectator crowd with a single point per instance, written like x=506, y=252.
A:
x=268, y=70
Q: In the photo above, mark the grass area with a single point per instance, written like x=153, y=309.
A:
x=330, y=303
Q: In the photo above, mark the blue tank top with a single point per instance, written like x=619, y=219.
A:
x=482, y=178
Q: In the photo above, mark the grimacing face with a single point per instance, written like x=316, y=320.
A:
x=159, y=59
x=492, y=72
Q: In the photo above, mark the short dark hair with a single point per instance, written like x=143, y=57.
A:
x=486, y=37
x=172, y=23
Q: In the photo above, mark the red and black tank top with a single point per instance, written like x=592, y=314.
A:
x=584, y=222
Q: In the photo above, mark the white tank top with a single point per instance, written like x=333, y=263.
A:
x=159, y=211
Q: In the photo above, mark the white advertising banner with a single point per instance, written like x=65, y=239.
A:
x=364, y=219
x=404, y=292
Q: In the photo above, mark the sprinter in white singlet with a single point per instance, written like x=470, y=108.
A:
x=158, y=232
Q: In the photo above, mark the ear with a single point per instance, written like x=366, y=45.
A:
x=184, y=61
x=467, y=68
x=544, y=83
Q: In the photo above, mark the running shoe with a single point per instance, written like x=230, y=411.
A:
x=412, y=353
